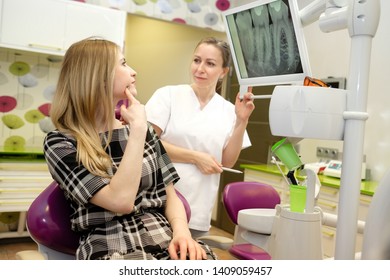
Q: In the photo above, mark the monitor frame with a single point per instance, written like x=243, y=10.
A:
x=238, y=56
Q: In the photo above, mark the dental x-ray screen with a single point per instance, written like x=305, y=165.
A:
x=267, y=43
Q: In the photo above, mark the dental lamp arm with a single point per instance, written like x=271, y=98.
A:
x=312, y=12
x=332, y=14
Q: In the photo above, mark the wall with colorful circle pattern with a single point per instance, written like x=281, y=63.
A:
x=200, y=13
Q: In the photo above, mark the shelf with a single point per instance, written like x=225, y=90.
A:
x=23, y=175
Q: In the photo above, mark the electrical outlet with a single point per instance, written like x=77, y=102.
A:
x=324, y=152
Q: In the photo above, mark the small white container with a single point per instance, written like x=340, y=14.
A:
x=296, y=236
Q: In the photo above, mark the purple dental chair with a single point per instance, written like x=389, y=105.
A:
x=246, y=195
x=49, y=225
x=239, y=196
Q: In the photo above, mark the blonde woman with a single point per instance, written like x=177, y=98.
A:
x=116, y=174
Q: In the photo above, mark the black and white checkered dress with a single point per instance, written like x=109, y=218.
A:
x=106, y=235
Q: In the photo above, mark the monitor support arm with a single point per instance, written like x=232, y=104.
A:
x=362, y=19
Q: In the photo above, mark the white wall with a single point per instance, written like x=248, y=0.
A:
x=329, y=56
x=377, y=144
x=161, y=51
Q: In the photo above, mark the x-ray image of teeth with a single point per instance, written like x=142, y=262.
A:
x=246, y=35
x=262, y=38
x=268, y=41
x=283, y=33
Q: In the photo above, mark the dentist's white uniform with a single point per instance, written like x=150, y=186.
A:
x=176, y=110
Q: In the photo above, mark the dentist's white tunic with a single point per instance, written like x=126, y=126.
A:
x=176, y=110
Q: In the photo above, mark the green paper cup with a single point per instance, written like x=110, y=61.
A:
x=286, y=153
x=297, y=198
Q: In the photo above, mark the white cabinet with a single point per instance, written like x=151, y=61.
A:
x=51, y=26
x=84, y=20
x=26, y=26
x=327, y=200
x=20, y=184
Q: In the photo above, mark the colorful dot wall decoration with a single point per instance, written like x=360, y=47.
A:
x=199, y=13
x=25, y=96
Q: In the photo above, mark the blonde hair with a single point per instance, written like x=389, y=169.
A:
x=83, y=101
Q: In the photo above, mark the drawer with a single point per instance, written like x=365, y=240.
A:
x=364, y=204
x=25, y=180
x=15, y=204
x=24, y=166
x=31, y=192
x=273, y=180
x=25, y=184
x=331, y=206
x=328, y=206
x=329, y=193
x=23, y=174
x=328, y=241
x=256, y=176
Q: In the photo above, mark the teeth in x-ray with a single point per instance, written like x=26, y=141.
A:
x=244, y=26
x=283, y=36
x=267, y=39
x=262, y=38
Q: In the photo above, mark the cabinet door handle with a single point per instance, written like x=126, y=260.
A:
x=328, y=233
x=330, y=205
x=38, y=46
x=330, y=192
x=366, y=200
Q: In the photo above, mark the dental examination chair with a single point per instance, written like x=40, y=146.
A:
x=49, y=226
x=245, y=196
